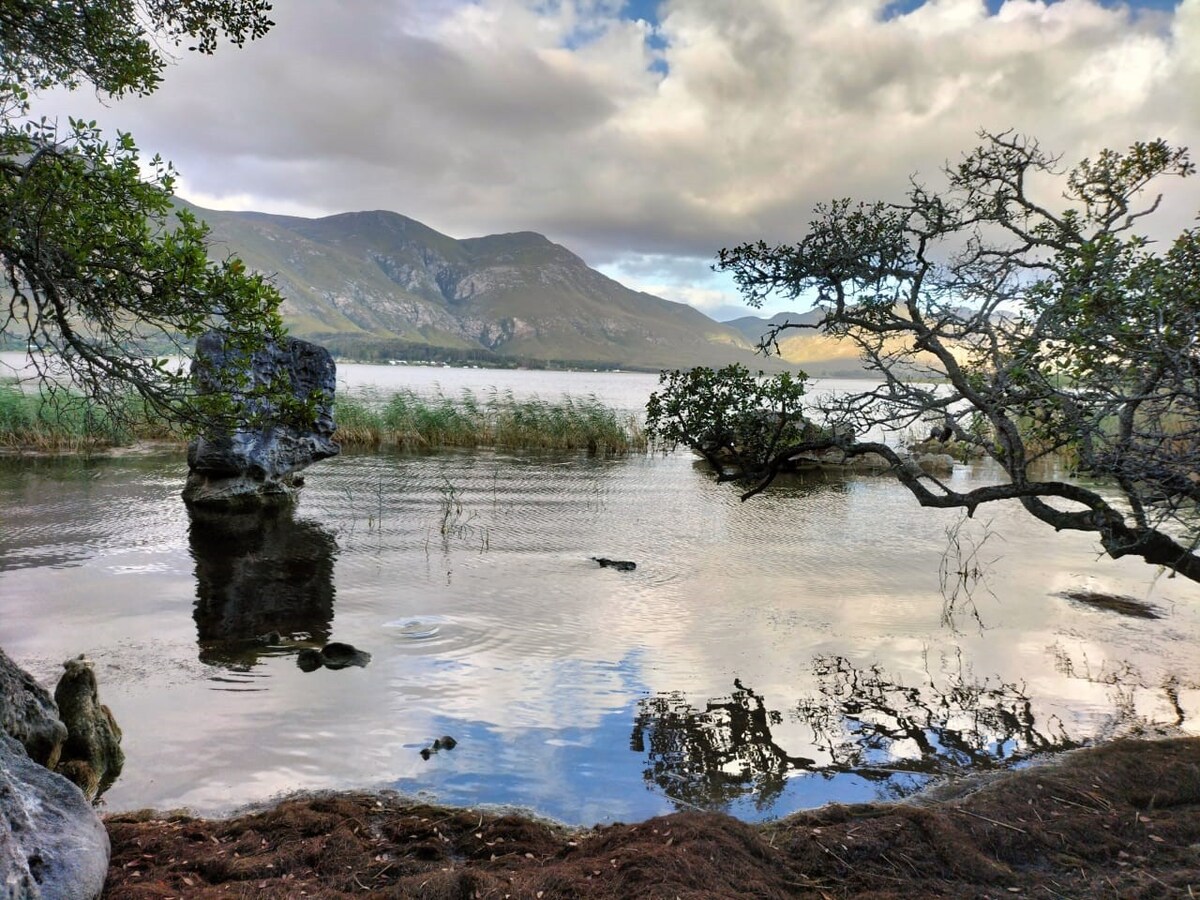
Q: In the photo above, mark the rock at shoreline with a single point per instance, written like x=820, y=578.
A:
x=255, y=465
x=28, y=713
x=91, y=757
x=53, y=846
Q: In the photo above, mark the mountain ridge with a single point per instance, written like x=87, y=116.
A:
x=378, y=284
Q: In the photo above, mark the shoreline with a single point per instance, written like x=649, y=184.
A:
x=1121, y=818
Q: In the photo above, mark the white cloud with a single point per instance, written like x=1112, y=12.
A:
x=502, y=115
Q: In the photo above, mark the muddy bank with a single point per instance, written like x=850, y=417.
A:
x=1122, y=820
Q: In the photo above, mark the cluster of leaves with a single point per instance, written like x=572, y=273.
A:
x=1035, y=335
x=103, y=278
x=738, y=421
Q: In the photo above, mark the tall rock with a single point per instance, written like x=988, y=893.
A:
x=258, y=463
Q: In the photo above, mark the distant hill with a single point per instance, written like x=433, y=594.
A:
x=809, y=348
x=378, y=284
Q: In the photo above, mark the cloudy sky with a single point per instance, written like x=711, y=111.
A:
x=647, y=134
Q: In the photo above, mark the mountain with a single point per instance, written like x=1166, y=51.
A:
x=379, y=284
x=809, y=348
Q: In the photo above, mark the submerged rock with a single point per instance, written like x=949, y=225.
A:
x=28, y=714
x=334, y=655
x=309, y=659
x=92, y=755
x=253, y=465
x=337, y=655
x=621, y=565
x=445, y=742
x=52, y=844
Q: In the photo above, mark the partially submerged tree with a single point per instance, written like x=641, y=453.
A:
x=102, y=277
x=737, y=421
x=1054, y=337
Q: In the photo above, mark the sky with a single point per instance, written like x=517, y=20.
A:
x=645, y=135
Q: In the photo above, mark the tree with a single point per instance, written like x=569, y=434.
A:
x=737, y=421
x=1062, y=343
x=99, y=269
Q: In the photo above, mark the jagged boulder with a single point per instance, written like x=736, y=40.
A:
x=91, y=756
x=258, y=464
x=28, y=713
x=53, y=846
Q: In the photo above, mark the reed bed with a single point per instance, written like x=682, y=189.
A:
x=67, y=422
x=411, y=422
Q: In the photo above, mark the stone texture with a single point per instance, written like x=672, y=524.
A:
x=53, y=846
x=28, y=713
x=91, y=757
x=259, y=464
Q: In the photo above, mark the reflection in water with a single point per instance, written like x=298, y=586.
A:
x=859, y=721
x=711, y=757
x=262, y=579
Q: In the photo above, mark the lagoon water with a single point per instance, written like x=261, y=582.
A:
x=763, y=657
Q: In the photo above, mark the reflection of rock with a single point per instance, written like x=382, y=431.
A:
x=335, y=655
x=28, y=713
x=52, y=843
x=259, y=574
x=258, y=462
x=91, y=756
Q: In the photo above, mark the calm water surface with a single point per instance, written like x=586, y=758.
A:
x=764, y=656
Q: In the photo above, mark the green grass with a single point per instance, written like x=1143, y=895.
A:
x=410, y=422
x=68, y=422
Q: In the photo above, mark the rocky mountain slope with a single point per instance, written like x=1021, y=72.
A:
x=379, y=284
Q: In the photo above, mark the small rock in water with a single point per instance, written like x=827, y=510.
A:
x=621, y=565
x=426, y=752
x=309, y=660
x=337, y=655
x=445, y=742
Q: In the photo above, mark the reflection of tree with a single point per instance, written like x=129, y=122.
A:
x=259, y=572
x=712, y=756
x=861, y=722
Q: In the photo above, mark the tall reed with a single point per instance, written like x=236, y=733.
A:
x=65, y=421
x=70, y=422
x=412, y=422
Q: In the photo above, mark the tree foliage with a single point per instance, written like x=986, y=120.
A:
x=1053, y=336
x=100, y=272
x=737, y=421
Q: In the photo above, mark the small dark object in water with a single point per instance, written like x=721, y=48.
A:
x=1125, y=606
x=270, y=639
x=445, y=742
x=621, y=565
x=309, y=660
x=426, y=753
x=338, y=656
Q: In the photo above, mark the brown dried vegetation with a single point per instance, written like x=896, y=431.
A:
x=1121, y=820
